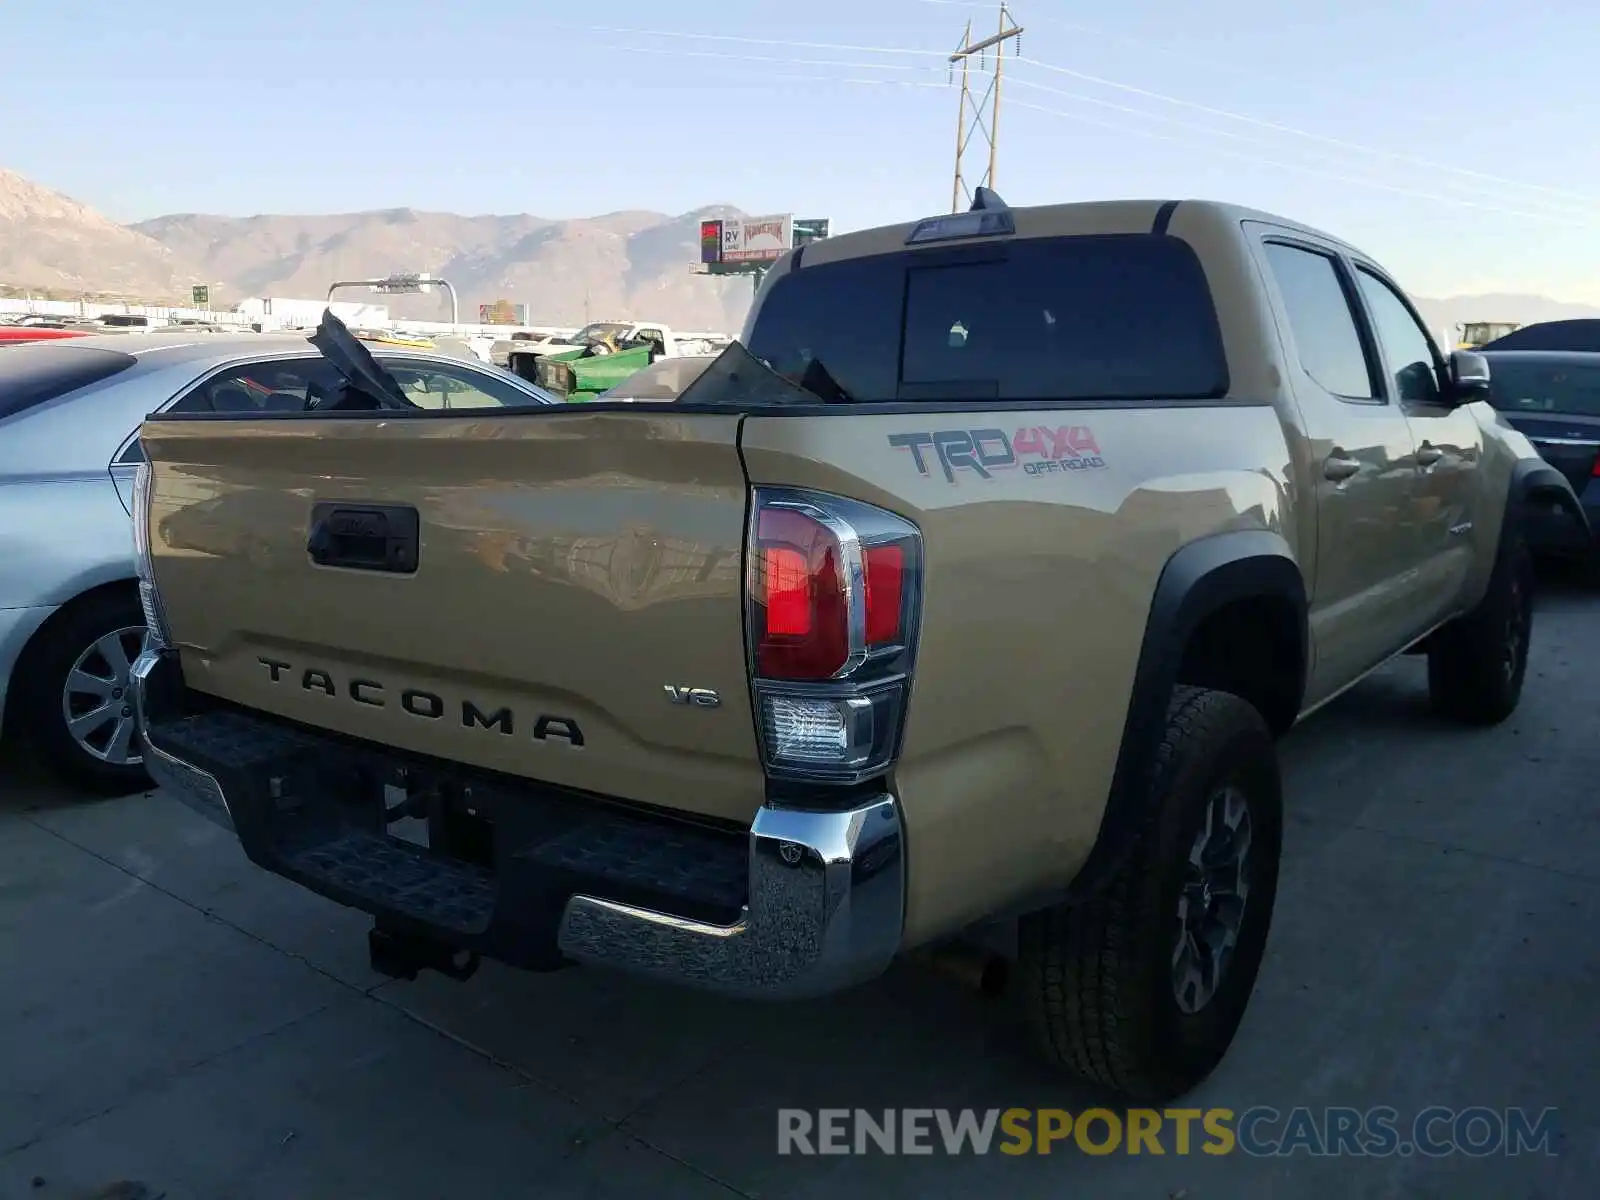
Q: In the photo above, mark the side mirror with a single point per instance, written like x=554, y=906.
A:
x=1469, y=376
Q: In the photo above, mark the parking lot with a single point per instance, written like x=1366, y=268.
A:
x=174, y=1018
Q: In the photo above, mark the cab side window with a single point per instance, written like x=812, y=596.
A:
x=441, y=385
x=1322, y=321
x=1409, y=356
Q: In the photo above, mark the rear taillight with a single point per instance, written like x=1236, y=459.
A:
x=833, y=590
x=1596, y=471
x=155, y=617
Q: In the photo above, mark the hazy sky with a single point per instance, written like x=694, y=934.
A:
x=1452, y=140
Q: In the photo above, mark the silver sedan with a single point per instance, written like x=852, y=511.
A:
x=70, y=621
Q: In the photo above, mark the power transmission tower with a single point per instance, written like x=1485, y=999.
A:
x=981, y=115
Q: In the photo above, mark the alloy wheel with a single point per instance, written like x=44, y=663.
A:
x=1211, y=904
x=97, y=698
x=1517, y=622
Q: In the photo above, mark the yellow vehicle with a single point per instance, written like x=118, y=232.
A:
x=1472, y=334
x=387, y=337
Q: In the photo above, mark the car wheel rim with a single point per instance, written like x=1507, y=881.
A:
x=1516, y=629
x=1211, y=904
x=97, y=699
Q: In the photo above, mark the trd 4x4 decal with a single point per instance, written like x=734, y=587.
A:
x=1037, y=450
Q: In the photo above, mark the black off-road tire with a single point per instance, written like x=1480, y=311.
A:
x=1477, y=663
x=35, y=703
x=1096, y=976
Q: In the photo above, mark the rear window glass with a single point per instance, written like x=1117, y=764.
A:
x=1545, y=387
x=1123, y=317
x=33, y=374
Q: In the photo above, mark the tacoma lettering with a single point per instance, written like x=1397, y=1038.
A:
x=425, y=705
x=472, y=715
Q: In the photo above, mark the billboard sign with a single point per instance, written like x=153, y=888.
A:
x=200, y=295
x=757, y=239
x=710, y=241
x=809, y=229
x=502, y=312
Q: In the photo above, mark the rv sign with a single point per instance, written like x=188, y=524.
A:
x=757, y=239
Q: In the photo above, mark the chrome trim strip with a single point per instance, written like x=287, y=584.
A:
x=188, y=785
x=1587, y=443
x=826, y=911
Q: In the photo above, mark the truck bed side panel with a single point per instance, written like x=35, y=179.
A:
x=1039, y=580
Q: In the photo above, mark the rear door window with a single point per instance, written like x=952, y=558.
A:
x=1125, y=317
x=34, y=374
x=437, y=385
x=271, y=385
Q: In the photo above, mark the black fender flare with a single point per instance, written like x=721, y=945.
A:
x=1197, y=581
x=1535, y=482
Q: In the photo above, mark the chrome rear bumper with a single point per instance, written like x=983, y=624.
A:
x=819, y=908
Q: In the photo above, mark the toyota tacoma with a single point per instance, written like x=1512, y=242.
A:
x=959, y=603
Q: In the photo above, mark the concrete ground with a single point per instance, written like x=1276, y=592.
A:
x=173, y=1018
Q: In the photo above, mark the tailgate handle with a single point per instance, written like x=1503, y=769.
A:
x=364, y=537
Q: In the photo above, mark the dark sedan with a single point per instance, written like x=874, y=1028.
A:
x=1553, y=396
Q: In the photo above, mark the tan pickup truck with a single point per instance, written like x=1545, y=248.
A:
x=960, y=603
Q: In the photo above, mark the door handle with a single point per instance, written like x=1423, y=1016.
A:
x=1338, y=468
x=364, y=537
x=1428, y=455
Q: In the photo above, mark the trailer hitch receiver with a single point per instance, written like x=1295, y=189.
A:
x=405, y=956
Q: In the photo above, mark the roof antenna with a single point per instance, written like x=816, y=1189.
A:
x=987, y=200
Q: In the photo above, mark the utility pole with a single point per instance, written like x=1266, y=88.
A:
x=980, y=115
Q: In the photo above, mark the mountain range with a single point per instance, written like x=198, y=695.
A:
x=636, y=264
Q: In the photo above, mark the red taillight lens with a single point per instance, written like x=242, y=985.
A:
x=833, y=609
x=885, y=572
x=788, y=591
x=1596, y=471
x=803, y=621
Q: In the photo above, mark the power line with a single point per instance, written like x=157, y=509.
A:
x=930, y=68
x=1558, y=218
x=1231, y=135
x=1101, y=81
x=1104, y=35
x=1325, y=139
x=1567, y=219
x=862, y=81
x=746, y=41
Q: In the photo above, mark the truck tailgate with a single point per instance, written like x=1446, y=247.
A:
x=570, y=570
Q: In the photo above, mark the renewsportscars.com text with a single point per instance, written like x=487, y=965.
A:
x=1260, y=1132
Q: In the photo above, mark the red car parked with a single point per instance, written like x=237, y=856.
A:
x=37, y=333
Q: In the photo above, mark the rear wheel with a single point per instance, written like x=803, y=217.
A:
x=1141, y=988
x=76, y=696
x=1477, y=663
